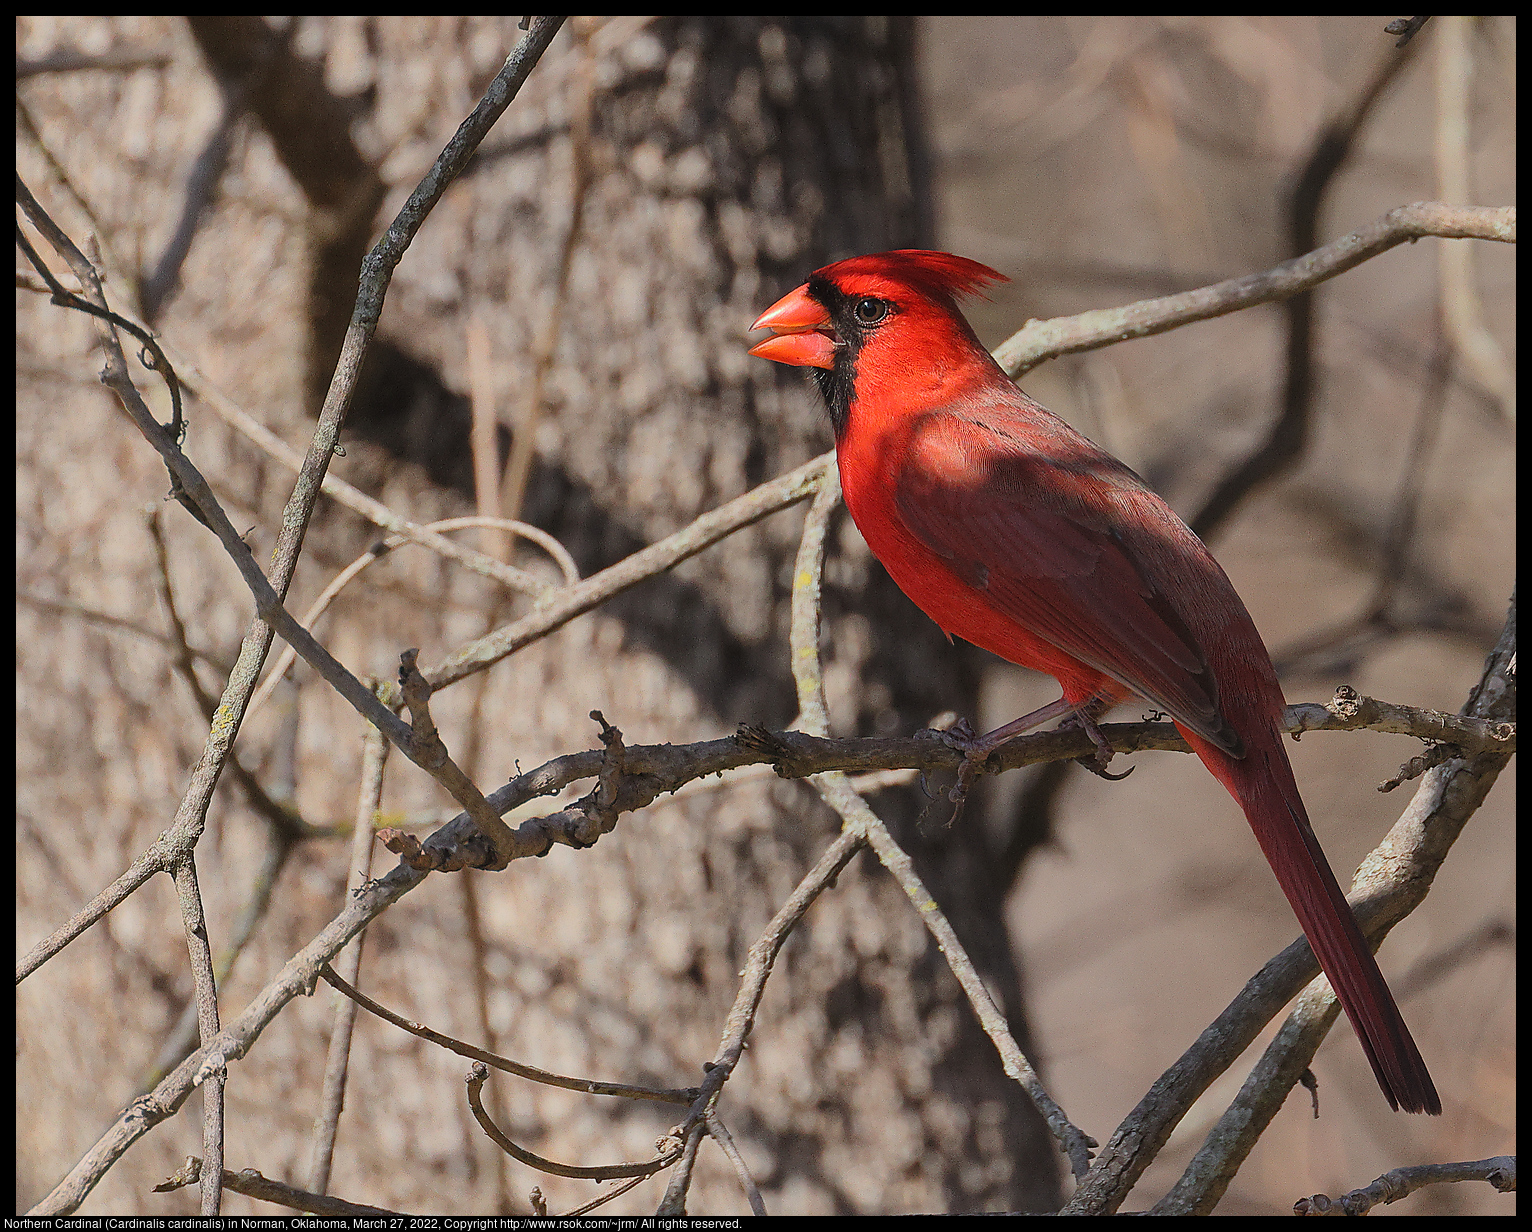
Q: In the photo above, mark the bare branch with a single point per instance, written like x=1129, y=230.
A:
x=559, y=609
x=1040, y=340
x=345, y=494
x=1462, y=309
x=587, y=1086
x=344, y=578
x=1402, y=1182
x=719, y=1134
x=479, y=1074
x=518, y=466
x=201, y=955
x=253, y=1185
x=332, y=1092
x=837, y=792
x=1349, y=710
x=122, y=57
x=758, y=965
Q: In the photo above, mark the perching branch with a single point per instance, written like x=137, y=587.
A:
x=653, y=770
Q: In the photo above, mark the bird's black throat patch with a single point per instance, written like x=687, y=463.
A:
x=838, y=383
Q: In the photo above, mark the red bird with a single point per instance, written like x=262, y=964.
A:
x=1014, y=532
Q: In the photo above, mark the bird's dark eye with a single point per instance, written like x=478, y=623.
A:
x=869, y=311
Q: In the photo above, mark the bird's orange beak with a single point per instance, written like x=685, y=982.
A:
x=800, y=332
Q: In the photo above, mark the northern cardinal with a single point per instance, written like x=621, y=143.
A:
x=1014, y=532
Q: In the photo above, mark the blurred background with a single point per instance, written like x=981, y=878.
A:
x=585, y=290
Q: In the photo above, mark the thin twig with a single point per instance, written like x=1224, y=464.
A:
x=111, y=620
x=253, y=1185
x=1376, y=619
x=803, y=634
x=518, y=467
x=674, y=1201
x=479, y=1074
x=558, y=609
x=484, y=431
x=1402, y=1182
x=1287, y=437
x=1405, y=28
x=182, y=1040
x=345, y=494
x=813, y=716
x=618, y=1188
x=1462, y=309
x=1430, y=969
x=123, y=57
x=284, y=828
x=157, y=362
x=476, y=957
x=752, y=985
x=586, y=1086
x=1074, y=1142
x=332, y=591
x=428, y=751
x=332, y=1097
x=720, y=1134
x=201, y=955
x=201, y=188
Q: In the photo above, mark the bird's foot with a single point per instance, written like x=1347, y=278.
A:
x=1098, y=762
x=975, y=749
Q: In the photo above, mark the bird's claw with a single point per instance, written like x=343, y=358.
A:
x=961, y=738
x=1102, y=758
x=1096, y=764
x=959, y=793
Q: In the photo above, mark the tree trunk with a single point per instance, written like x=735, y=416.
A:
x=711, y=163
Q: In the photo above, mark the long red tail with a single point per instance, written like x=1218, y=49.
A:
x=1262, y=782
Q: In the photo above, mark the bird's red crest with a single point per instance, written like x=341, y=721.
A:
x=936, y=273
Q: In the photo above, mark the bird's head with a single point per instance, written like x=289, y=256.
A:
x=882, y=326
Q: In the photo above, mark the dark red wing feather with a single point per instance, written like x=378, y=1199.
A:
x=1057, y=568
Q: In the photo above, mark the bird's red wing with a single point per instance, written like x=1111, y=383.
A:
x=1059, y=570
